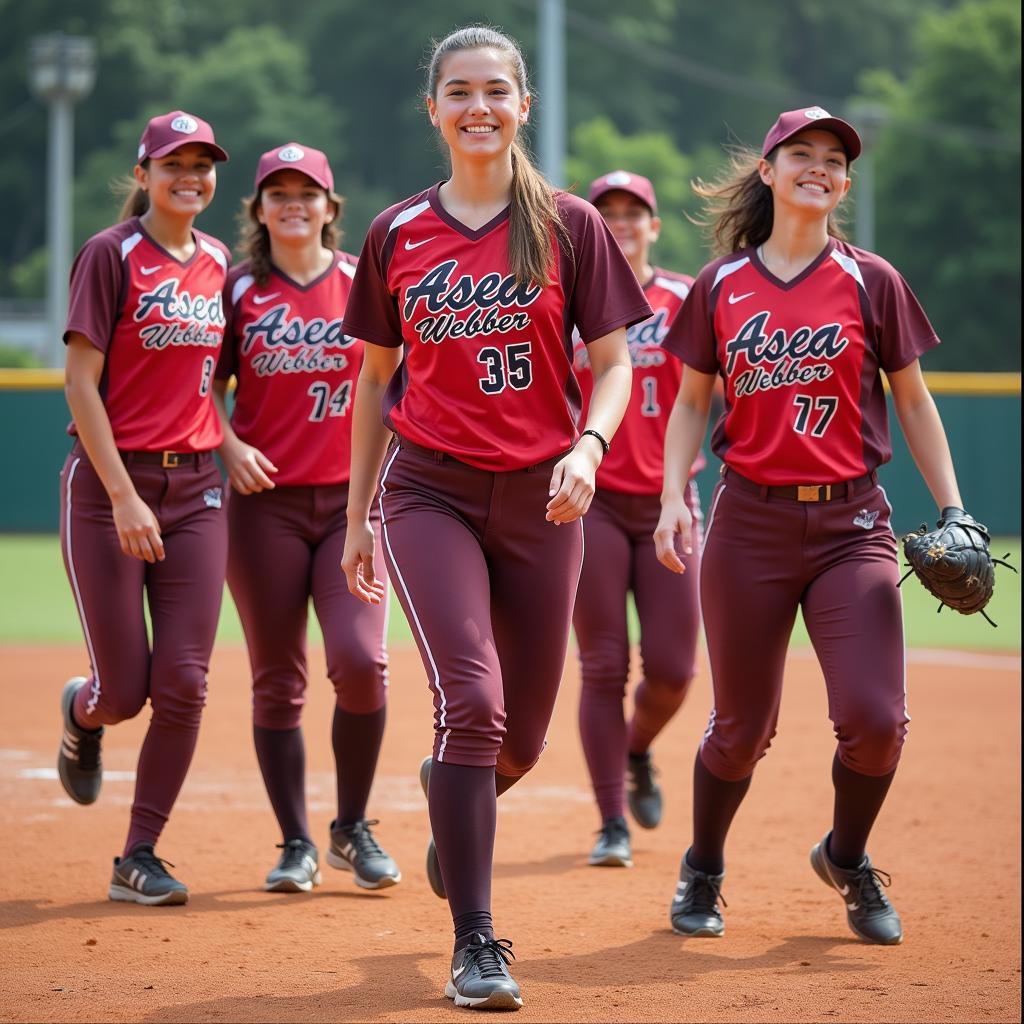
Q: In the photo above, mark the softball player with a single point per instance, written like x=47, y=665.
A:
x=142, y=514
x=480, y=280
x=620, y=549
x=798, y=323
x=286, y=451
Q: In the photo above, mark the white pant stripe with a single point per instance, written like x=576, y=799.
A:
x=408, y=597
x=94, y=694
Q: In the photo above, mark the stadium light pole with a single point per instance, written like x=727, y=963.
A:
x=551, y=77
x=869, y=119
x=61, y=72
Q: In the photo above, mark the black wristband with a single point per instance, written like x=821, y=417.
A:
x=594, y=433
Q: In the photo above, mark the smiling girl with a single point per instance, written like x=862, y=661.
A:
x=286, y=452
x=142, y=517
x=800, y=325
x=478, y=282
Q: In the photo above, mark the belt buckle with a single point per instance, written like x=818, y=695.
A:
x=814, y=492
x=171, y=460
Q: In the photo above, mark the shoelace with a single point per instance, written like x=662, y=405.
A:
x=491, y=957
x=869, y=884
x=702, y=893
x=363, y=840
x=89, y=750
x=154, y=864
x=612, y=830
x=294, y=851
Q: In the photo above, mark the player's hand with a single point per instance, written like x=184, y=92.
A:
x=248, y=468
x=572, y=482
x=357, y=564
x=137, y=529
x=675, y=518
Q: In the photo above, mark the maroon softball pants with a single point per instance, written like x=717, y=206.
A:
x=620, y=558
x=183, y=594
x=488, y=586
x=285, y=546
x=767, y=557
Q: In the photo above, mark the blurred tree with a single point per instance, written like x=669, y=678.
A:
x=598, y=147
x=949, y=200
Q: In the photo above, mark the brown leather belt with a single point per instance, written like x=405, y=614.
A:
x=839, y=491
x=167, y=460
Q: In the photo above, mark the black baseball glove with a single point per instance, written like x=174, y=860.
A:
x=953, y=562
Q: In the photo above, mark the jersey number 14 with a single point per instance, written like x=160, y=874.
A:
x=326, y=403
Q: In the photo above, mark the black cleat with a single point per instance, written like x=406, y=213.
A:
x=433, y=865
x=695, y=911
x=142, y=878
x=612, y=848
x=297, y=870
x=642, y=792
x=354, y=848
x=79, y=765
x=869, y=913
x=480, y=978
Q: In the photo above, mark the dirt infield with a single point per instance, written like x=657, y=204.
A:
x=593, y=944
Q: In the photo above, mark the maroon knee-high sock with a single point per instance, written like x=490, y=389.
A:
x=859, y=798
x=282, y=757
x=356, y=740
x=715, y=802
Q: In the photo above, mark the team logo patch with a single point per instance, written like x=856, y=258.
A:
x=212, y=497
x=865, y=519
x=816, y=113
x=291, y=154
x=618, y=178
x=185, y=124
x=142, y=151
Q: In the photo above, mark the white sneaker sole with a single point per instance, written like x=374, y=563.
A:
x=291, y=885
x=122, y=894
x=364, y=883
x=495, y=1001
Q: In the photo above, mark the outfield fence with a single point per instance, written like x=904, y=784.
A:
x=981, y=412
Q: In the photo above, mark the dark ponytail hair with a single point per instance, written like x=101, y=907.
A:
x=533, y=213
x=738, y=206
x=254, y=238
x=135, y=199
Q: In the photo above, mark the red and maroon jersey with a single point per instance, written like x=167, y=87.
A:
x=636, y=460
x=296, y=370
x=487, y=374
x=800, y=361
x=159, y=322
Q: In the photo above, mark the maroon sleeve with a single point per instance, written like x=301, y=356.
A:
x=901, y=327
x=227, y=364
x=97, y=276
x=605, y=293
x=372, y=311
x=691, y=336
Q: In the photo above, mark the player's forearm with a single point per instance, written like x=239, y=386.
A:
x=609, y=399
x=97, y=437
x=369, y=443
x=926, y=439
x=231, y=440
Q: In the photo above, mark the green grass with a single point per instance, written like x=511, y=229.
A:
x=36, y=606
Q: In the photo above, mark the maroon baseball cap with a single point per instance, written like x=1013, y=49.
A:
x=169, y=131
x=793, y=121
x=624, y=181
x=294, y=157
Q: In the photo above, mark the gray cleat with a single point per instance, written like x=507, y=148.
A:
x=79, y=764
x=297, y=870
x=642, y=792
x=141, y=877
x=869, y=913
x=695, y=911
x=612, y=848
x=480, y=978
x=354, y=848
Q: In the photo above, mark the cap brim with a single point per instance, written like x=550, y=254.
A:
x=596, y=194
x=218, y=153
x=844, y=131
x=327, y=186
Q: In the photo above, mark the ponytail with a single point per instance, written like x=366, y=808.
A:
x=739, y=208
x=135, y=199
x=533, y=214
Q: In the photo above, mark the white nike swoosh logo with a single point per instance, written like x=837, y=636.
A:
x=844, y=891
x=733, y=299
x=260, y=299
x=851, y=906
x=150, y=270
x=455, y=974
x=416, y=245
